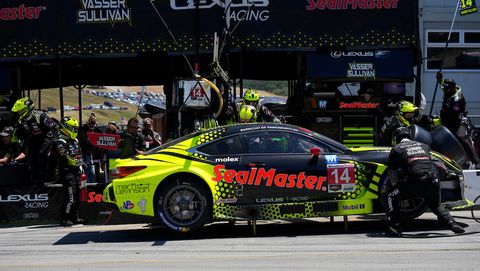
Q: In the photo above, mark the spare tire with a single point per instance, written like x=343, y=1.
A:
x=421, y=135
x=444, y=142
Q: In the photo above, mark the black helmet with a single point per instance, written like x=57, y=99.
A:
x=401, y=133
x=449, y=84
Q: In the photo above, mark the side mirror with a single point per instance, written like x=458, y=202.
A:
x=315, y=152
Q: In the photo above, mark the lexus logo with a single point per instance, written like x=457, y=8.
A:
x=335, y=54
x=338, y=54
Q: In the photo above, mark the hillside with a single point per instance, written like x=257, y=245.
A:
x=51, y=97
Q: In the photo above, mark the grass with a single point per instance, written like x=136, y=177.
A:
x=51, y=97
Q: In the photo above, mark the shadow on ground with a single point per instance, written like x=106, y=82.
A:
x=159, y=235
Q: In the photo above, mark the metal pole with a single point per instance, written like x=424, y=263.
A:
x=418, y=78
x=60, y=85
x=444, y=55
x=80, y=107
x=39, y=99
x=20, y=90
x=241, y=72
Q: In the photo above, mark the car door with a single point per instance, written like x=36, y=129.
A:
x=285, y=170
x=225, y=153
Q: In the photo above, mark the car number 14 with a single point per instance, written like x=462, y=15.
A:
x=341, y=174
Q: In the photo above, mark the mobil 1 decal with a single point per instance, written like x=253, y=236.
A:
x=340, y=178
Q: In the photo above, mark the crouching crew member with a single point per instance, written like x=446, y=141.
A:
x=418, y=178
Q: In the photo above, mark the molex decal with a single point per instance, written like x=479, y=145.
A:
x=104, y=11
x=21, y=12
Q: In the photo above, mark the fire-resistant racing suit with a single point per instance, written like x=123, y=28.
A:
x=69, y=162
x=419, y=178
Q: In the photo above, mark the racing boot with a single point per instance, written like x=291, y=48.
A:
x=393, y=230
x=79, y=220
x=455, y=227
x=66, y=223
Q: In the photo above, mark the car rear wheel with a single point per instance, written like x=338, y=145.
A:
x=183, y=205
x=409, y=208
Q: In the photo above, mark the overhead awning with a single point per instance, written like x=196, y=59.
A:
x=82, y=28
x=378, y=65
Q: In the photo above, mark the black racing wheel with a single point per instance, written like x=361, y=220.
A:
x=410, y=208
x=184, y=204
x=475, y=209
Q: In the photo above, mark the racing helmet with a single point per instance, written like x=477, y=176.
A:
x=69, y=127
x=23, y=108
x=248, y=113
x=406, y=112
x=251, y=97
x=401, y=133
x=449, y=86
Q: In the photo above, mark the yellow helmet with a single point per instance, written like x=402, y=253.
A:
x=248, y=113
x=251, y=95
x=406, y=111
x=23, y=108
x=69, y=127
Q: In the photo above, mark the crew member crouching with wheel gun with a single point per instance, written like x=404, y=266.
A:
x=69, y=161
x=418, y=177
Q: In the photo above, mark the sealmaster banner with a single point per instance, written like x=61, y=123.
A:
x=44, y=28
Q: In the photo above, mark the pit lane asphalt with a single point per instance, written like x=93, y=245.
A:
x=309, y=244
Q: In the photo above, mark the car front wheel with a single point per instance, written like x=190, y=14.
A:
x=410, y=208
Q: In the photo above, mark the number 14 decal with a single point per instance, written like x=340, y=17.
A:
x=341, y=174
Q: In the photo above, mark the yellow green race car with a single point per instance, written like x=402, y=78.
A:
x=261, y=171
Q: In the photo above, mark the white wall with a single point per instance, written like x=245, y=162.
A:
x=438, y=15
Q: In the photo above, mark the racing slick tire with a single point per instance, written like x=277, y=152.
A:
x=409, y=208
x=183, y=204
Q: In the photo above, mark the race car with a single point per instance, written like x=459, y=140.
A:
x=261, y=171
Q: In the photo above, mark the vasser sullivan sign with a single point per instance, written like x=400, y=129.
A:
x=104, y=141
x=104, y=11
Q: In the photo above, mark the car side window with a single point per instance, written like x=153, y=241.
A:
x=230, y=145
x=301, y=144
x=281, y=142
